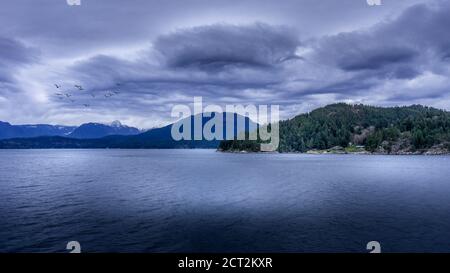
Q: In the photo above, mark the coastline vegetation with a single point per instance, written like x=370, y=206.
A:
x=345, y=128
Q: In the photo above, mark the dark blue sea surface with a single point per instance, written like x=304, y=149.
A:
x=207, y=201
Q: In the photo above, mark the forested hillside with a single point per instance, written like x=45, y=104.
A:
x=343, y=127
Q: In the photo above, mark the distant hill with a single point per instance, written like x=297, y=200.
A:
x=98, y=130
x=88, y=130
x=160, y=138
x=346, y=128
x=24, y=131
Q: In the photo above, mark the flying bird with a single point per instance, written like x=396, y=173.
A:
x=79, y=87
x=57, y=86
x=68, y=95
x=86, y=105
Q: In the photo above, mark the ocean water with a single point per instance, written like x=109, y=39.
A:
x=207, y=201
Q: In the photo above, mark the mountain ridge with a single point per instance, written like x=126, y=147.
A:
x=152, y=139
x=85, y=130
x=97, y=130
x=7, y=130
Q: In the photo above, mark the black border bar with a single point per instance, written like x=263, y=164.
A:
x=171, y=262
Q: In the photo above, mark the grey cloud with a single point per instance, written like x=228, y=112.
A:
x=236, y=61
x=226, y=56
x=375, y=59
x=367, y=52
x=13, y=52
x=13, y=55
x=349, y=87
x=70, y=31
x=396, y=48
x=218, y=46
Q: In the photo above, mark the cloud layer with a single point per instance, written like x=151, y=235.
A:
x=14, y=54
x=135, y=73
x=218, y=46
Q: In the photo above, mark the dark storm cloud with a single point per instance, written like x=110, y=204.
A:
x=375, y=59
x=227, y=56
x=358, y=51
x=66, y=30
x=221, y=45
x=417, y=40
x=305, y=54
x=260, y=62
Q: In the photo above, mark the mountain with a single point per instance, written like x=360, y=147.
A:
x=24, y=131
x=343, y=128
x=160, y=138
x=88, y=130
x=98, y=130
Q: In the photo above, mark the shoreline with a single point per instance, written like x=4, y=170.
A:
x=312, y=152
x=340, y=153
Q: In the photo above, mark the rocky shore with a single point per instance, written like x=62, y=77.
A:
x=440, y=149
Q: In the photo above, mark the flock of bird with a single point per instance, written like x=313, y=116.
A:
x=69, y=96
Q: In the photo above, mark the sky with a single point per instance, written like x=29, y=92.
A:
x=299, y=54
